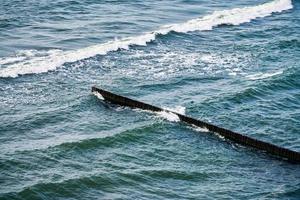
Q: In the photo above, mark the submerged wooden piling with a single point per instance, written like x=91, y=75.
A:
x=290, y=155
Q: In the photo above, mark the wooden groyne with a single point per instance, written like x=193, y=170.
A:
x=290, y=155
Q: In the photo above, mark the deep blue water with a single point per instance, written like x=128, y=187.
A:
x=237, y=68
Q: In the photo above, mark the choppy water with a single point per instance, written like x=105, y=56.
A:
x=232, y=63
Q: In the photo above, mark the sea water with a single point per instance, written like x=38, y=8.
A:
x=234, y=64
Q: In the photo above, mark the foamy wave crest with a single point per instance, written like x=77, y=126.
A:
x=170, y=113
x=53, y=60
x=98, y=95
x=259, y=76
x=169, y=116
x=176, y=109
x=199, y=129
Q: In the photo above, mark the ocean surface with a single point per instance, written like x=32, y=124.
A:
x=235, y=64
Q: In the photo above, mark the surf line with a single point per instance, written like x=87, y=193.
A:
x=287, y=154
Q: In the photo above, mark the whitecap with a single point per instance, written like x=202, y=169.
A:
x=177, y=109
x=170, y=116
x=98, y=95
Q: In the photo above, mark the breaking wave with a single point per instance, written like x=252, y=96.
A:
x=170, y=113
x=172, y=117
x=36, y=62
x=98, y=95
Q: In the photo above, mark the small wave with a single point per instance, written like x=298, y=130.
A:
x=88, y=178
x=98, y=95
x=259, y=76
x=105, y=138
x=169, y=116
x=288, y=43
x=177, y=109
x=170, y=113
x=53, y=60
x=167, y=113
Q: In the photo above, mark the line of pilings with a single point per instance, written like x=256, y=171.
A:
x=288, y=154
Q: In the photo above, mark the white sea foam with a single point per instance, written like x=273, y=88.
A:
x=98, y=95
x=177, y=109
x=169, y=116
x=54, y=59
x=9, y=60
x=170, y=113
x=259, y=76
x=204, y=129
x=167, y=113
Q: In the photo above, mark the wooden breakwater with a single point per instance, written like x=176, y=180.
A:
x=288, y=154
